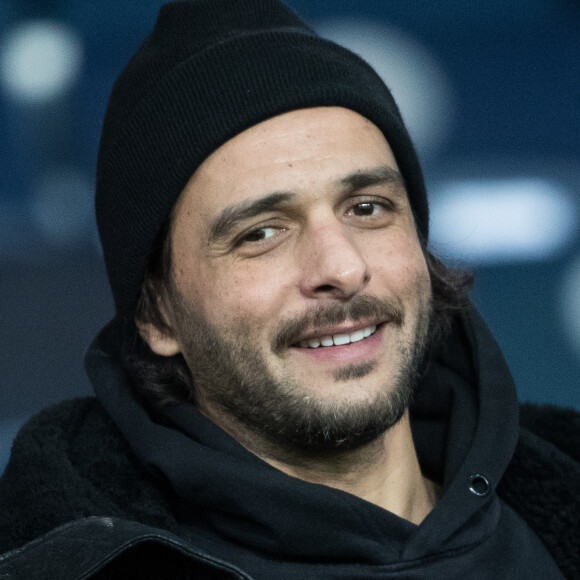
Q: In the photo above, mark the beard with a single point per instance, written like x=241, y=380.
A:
x=230, y=374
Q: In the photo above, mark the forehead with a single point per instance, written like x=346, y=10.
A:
x=299, y=151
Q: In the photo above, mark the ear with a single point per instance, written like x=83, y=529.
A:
x=161, y=342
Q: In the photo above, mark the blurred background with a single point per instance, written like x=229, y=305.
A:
x=490, y=90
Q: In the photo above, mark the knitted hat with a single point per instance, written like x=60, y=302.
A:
x=209, y=70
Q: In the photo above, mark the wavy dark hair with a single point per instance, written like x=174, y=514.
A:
x=162, y=380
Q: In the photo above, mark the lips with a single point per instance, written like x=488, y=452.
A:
x=339, y=339
x=338, y=325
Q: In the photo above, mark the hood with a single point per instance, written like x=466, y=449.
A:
x=465, y=425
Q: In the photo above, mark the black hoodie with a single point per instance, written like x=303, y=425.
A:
x=201, y=485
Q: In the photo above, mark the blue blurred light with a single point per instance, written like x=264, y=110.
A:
x=498, y=221
x=40, y=60
x=570, y=305
x=62, y=205
x=414, y=75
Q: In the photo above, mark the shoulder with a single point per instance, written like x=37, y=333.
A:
x=62, y=438
x=546, y=461
x=64, y=421
x=70, y=462
x=542, y=481
x=556, y=425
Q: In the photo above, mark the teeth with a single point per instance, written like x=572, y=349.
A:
x=359, y=335
x=339, y=339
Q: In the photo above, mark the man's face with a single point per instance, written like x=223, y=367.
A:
x=300, y=296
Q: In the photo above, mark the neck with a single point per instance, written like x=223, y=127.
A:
x=385, y=472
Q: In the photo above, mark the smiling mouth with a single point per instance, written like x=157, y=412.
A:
x=338, y=339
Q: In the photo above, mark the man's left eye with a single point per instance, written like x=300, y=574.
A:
x=367, y=208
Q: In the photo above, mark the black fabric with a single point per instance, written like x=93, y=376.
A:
x=542, y=480
x=209, y=70
x=112, y=548
x=72, y=462
x=107, y=452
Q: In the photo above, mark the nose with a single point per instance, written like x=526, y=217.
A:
x=332, y=265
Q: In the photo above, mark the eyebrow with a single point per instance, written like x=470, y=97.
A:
x=382, y=175
x=231, y=216
x=223, y=224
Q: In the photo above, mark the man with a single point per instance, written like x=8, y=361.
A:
x=293, y=385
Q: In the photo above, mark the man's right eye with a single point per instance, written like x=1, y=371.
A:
x=259, y=235
x=260, y=238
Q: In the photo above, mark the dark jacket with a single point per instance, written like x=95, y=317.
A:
x=80, y=498
x=106, y=511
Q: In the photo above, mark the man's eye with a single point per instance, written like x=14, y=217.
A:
x=259, y=235
x=367, y=208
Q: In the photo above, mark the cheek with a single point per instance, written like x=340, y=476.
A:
x=242, y=291
x=400, y=264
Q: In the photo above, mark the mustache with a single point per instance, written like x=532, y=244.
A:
x=336, y=313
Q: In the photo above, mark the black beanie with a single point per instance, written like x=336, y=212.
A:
x=209, y=70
